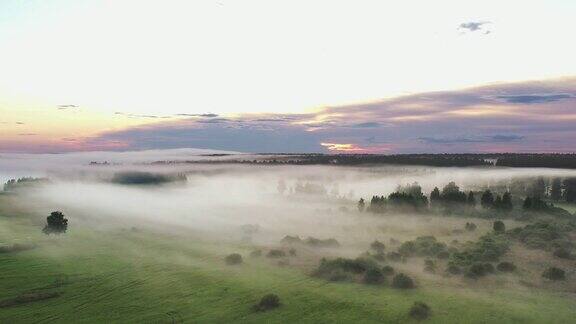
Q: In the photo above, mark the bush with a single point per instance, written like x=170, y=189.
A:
x=387, y=270
x=256, y=253
x=453, y=269
x=506, y=266
x=267, y=302
x=394, y=256
x=403, y=281
x=327, y=243
x=373, y=276
x=470, y=227
x=554, y=273
x=429, y=266
x=291, y=239
x=56, y=223
x=292, y=252
x=233, y=259
x=276, y=253
x=489, y=248
x=562, y=253
x=477, y=270
x=378, y=247
x=422, y=246
x=499, y=227
x=338, y=275
x=420, y=311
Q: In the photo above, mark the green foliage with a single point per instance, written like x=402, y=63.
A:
x=268, y=302
x=544, y=235
x=145, y=178
x=506, y=266
x=420, y=311
x=554, y=273
x=453, y=269
x=233, y=259
x=387, y=270
x=322, y=243
x=403, y=281
x=256, y=253
x=487, y=199
x=470, y=227
x=377, y=246
x=499, y=227
x=373, y=276
x=478, y=269
x=275, y=253
x=361, y=205
x=488, y=248
x=56, y=223
x=423, y=246
x=429, y=266
x=15, y=184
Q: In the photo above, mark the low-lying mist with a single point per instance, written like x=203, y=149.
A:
x=215, y=201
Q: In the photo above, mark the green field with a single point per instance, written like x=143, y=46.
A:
x=124, y=276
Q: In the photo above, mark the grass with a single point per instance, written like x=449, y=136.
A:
x=141, y=277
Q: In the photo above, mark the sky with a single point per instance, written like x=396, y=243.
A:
x=288, y=76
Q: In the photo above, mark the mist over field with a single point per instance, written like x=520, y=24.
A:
x=189, y=211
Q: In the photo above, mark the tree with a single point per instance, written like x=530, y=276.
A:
x=435, y=195
x=506, y=202
x=538, y=188
x=471, y=200
x=487, y=199
x=499, y=227
x=556, y=189
x=451, y=193
x=377, y=246
x=570, y=189
x=56, y=223
x=361, y=205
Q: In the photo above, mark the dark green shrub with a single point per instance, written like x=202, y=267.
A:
x=339, y=275
x=453, y=269
x=327, y=243
x=276, y=254
x=394, y=256
x=562, y=253
x=292, y=252
x=373, y=276
x=291, y=239
x=387, y=270
x=422, y=246
x=56, y=223
x=489, y=248
x=506, y=266
x=267, y=302
x=378, y=247
x=429, y=266
x=554, y=273
x=499, y=227
x=256, y=253
x=233, y=259
x=330, y=269
x=477, y=270
x=420, y=311
x=402, y=281
x=470, y=227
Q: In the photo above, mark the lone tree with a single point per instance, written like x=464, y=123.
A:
x=499, y=227
x=56, y=224
x=361, y=205
x=487, y=199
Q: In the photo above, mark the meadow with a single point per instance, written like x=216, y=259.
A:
x=156, y=254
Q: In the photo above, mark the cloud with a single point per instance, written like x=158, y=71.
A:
x=522, y=116
x=471, y=139
x=208, y=115
x=474, y=26
x=536, y=98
